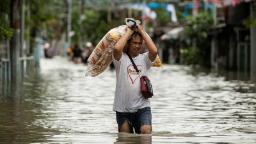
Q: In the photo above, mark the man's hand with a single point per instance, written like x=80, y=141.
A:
x=149, y=43
x=119, y=46
x=140, y=29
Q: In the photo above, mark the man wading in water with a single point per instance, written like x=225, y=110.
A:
x=133, y=111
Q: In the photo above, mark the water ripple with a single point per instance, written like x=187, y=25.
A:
x=61, y=105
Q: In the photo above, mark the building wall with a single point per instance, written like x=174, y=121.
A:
x=253, y=43
x=253, y=54
x=234, y=45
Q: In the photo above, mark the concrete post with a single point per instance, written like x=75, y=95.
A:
x=68, y=40
x=15, y=47
x=22, y=48
x=37, y=51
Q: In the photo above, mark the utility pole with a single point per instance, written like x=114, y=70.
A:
x=22, y=48
x=22, y=15
x=15, y=20
x=68, y=22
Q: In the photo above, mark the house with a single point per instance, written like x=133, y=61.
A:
x=233, y=45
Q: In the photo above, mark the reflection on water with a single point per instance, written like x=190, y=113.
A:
x=60, y=105
x=133, y=139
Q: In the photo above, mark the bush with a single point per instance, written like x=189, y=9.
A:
x=190, y=56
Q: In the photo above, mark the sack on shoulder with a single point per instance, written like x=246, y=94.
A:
x=146, y=87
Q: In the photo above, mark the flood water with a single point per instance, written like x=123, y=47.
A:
x=61, y=105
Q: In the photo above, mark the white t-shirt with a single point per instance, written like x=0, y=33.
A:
x=128, y=97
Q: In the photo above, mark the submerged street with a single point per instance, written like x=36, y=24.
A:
x=204, y=91
x=61, y=105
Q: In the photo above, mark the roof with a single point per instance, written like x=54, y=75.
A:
x=173, y=34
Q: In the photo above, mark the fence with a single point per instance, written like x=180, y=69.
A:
x=27, y=66
x=5, y=76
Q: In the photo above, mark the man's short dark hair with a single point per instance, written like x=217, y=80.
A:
x=135, y=33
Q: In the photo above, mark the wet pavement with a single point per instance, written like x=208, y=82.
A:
x=61, y=105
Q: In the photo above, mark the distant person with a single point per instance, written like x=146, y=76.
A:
x=133, y=112
x=86, y=52
x=70, y=52
x=76, y=57
x=49, y=51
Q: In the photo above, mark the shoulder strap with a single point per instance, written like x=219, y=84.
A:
x=134, y=65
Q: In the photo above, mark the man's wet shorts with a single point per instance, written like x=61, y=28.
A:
x=135, y=120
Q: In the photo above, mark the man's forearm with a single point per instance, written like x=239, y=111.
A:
x=151, y=46
x=119, y=46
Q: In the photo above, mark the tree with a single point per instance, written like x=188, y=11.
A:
x=197, y=28
x=5, y=29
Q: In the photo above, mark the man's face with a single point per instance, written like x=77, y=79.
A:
x=135, y=46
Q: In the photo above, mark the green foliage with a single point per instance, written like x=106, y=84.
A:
x=198, y=26
x=190, y=56
x=182, y=19
x=91, y=24
x=197, y=32
x=76, y=25
x=5, y=6
x=250, y=22
x=5, y=32
x=5, y=29
x=40, y=14
x=95, y=25
x=163, y=17
x=37, y=14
